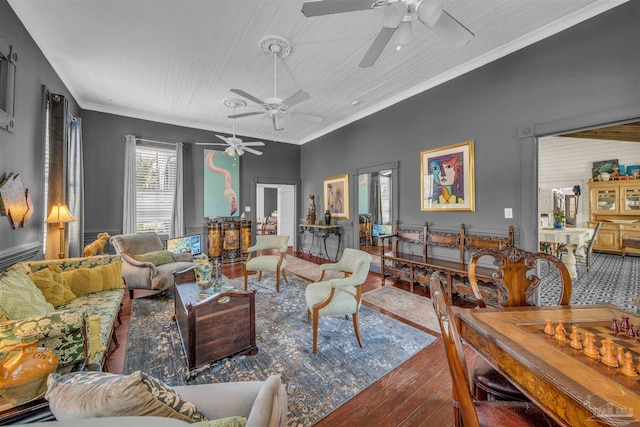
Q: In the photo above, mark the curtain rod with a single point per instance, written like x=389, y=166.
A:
x=156, y=142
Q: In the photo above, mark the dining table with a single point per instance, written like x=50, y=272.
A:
x=574, y=239
x=536, y=349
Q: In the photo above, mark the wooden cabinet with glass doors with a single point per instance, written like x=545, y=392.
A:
x=616, y=204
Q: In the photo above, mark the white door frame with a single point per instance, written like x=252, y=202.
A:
x=290, y=211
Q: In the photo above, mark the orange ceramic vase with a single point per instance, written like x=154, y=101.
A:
x=23, y=374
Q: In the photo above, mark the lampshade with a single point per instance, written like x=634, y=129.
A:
x=230, y=151
x=59, y=213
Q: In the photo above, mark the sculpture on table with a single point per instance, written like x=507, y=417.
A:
x=97, y=246
x=311, y=212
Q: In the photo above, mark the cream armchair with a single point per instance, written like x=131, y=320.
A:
x=145, y=265
x=339, y=296
x=268, y=262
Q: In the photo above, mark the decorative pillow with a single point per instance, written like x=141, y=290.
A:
x=52, y=286
x=92, y=394
x=95, y=345
x=20, y=298
x=223, y=422
x=156, y=258
x=84, y=281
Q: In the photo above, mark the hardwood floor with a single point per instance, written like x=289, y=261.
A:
x=416, y=393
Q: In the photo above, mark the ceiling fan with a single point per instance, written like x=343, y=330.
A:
x=275, y=107
x=235, y=144
x=398, y=16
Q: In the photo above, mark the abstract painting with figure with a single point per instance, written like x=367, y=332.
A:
x=447, y=178
x=221, y=184
x=336, y=196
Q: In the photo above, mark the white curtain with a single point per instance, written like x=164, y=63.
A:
x=129, y=205
x=177, y=217
x=75, y=188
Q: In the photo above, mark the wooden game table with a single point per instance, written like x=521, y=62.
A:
x=572, y=388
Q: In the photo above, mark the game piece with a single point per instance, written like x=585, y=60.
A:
x=627, y=366
x=614, y=326
x=619, y=355
x=630, y=332
x=638, y=332
x=607, y=357
x=590, y=345
x=548, y=328
x=575, y=339
x=603, y=348
x=560, y=334
x=624, y=325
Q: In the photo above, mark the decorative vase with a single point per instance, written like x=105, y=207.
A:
x=327, y=217
x=558, y=224
x=23, y=374
x=202, y=270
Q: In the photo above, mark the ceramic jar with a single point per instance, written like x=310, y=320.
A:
x=202, y=270
x=327, y=217
x=23, y=374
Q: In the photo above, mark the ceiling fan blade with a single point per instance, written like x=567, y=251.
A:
x=296, y=98
x=251, y=150
x=275, y=124
x=309, y=117
x=210, y=143
x=223, y=138
x=246, y=95
x=327, y=7
x=445, y=26
x=253, y=144
x=237, y=116
x=377, y=46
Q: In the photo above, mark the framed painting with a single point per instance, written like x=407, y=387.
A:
x=446, y=178
x=336, y=196
x=221, y=184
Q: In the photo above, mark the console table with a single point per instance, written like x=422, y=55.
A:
x=319, y=235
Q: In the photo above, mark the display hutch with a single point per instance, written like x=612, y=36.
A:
x=615, y=203
x=228, y=239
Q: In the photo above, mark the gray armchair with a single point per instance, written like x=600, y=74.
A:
x=145, y=265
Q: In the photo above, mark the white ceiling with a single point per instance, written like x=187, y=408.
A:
x=174, y=61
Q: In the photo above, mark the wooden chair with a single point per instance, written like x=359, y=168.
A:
x=467, y=412
x=515, y=289
x=277, y=263
x=337, y=297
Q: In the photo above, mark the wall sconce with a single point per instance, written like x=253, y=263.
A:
x=60, y=215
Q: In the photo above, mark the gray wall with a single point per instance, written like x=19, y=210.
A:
x=270, y=200
x=21, y=151
x=104, y=163
x=589, y=69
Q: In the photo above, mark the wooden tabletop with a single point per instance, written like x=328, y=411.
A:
x=571, y=387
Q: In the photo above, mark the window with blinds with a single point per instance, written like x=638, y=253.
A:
x=155, y=187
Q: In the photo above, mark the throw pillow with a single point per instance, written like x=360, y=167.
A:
x=95, y=344
x=156, y=257
x=84, y=281
x=223, y=422
x=52, y=286
x=20, y=297
x=101, y=394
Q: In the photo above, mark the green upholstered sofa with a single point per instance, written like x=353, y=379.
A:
x=66, y=330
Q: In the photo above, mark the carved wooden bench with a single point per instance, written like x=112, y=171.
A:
x=416, y=268
x=630, y=242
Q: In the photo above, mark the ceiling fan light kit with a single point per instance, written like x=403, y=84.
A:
x=397, y=16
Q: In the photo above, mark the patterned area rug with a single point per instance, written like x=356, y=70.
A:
x=315, y=384
x=611, y=278
x=307, y=270
x=415, y=308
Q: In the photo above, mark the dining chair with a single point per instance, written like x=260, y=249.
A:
x=259, y=261
x=467, y=411
x=588, y=249
x=516, y=288
x=342, y=296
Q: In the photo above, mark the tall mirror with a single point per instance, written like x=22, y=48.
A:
x=377, y=204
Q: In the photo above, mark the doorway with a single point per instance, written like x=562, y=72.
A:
x=279, y=201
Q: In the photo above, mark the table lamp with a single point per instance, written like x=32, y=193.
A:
x=60, y=215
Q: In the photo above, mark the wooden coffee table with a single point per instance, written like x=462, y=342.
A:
x=214, y=325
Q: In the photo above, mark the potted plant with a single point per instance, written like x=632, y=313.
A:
x=558, y=218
